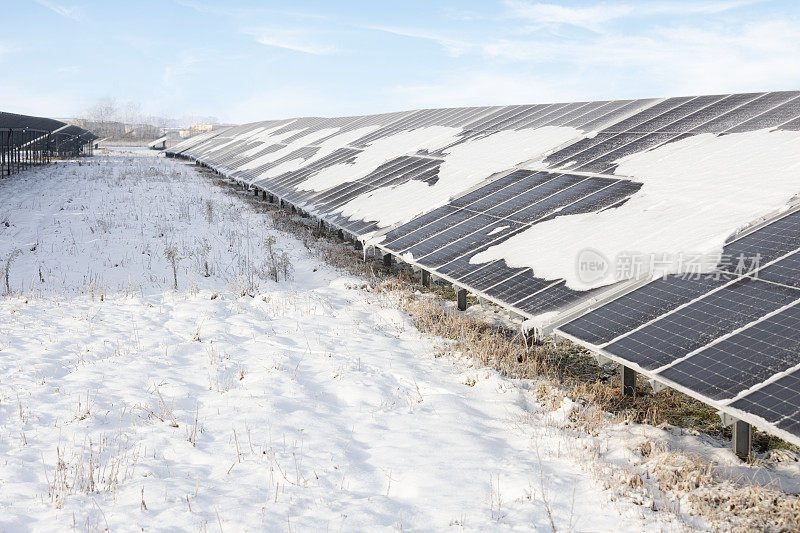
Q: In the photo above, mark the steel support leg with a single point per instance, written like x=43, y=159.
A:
x=530, y=338
x=742, y=439
x=387, y=260
x=425, y=278
x=628, y=381
x=462, y=299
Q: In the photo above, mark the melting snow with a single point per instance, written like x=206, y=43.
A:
x=300, y=142
x=379, y=152
x=465, y=165
x=696, y=192
x=498, y=229
x=326, y=148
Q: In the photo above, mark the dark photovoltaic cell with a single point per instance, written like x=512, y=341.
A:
x=639, y=307
x=663, y=295
x=502, y=183
x=524, y=282
x=689, y=328
x=743, y=360
x=526, y=208
x=786, y=271
x=775, y=402
x=766, y=244
x=550, y=299
x=764, y=107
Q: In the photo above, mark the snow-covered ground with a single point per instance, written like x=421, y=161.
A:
x=241, y=403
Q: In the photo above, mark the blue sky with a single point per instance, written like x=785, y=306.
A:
x=244, y=61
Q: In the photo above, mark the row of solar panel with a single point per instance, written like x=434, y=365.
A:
x=445, y=239
x=585, y=115
x=65, y=138
x=327, y=204
x=699, y=334
x=683, y=116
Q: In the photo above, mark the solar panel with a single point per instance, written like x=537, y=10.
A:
x=775, y=402
x=718, y=336
x=744, y=359
x=673, y=120
x=674, y=335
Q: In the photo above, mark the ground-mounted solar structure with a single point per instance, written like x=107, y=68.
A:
x=660, y=233
x=26, y=141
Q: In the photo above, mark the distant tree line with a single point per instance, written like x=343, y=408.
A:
x=125, y=121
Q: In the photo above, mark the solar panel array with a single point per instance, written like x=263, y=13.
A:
x=698, y=335
x=65, y=138
x=26, y=140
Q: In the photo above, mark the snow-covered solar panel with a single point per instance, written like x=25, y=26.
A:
x=502, y=200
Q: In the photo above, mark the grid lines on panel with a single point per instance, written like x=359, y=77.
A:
x=744, y=359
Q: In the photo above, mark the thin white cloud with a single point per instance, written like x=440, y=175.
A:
x=678, y=59
x=593, y=17
x=246, y=13
x=693, y=8
x=176, y=71
x=454, y=47
x=70, y=12
x=590, y=17
x=297, y=40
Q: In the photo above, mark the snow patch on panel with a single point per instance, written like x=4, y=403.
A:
x=696, y=192
x=465, y=165
x=379, y=152
x=300, y=142
x=326, y=148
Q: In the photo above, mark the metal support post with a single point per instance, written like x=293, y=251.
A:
x=628, y=381
x=425, y=278
x=742, y=439
x=462, y=299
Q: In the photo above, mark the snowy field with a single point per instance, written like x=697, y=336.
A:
x=241, y=403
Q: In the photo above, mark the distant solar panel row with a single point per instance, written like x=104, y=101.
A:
x=27, y=141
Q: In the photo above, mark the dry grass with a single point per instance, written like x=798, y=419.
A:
x=99, y=467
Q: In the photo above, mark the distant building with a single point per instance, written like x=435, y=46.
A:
x=195, y=129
